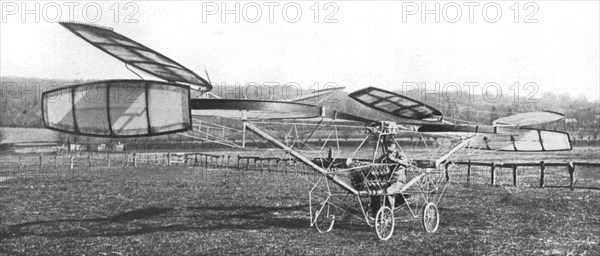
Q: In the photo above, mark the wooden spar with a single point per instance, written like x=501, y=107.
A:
x=300, y=157
x=452, y=151
x=412, y=182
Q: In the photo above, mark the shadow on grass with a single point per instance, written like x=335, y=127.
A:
x=56, y=228
x=200, y=219
x=575, y=187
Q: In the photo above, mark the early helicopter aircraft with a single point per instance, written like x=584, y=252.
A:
x=142, y=108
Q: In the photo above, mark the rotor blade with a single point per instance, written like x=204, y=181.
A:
x=528, y=140
x=207, y=76
x=396, y=104
x=530, y=118
x=253, y=109
x=118, y=108
x=466, y=128
x=135, y=54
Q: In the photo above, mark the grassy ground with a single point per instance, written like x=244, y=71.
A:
x=190, y=211
x=181, y=211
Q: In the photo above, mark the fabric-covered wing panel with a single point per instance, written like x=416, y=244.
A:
x=396, y=104
x=128, y=112
x=118, y=108
x=90, y=103
x=168, y=108
x=61, y=115
x=136, y=54
x=530, y=118
x=528, y=140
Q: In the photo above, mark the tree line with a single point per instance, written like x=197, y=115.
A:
x=20, y=105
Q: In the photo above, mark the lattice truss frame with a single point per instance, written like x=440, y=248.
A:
x=432, y=166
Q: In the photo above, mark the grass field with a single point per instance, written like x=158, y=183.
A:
x=184, y=211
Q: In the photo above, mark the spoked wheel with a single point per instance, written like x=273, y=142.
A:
x=324, y=218
x=431, y=218
x=384, y=223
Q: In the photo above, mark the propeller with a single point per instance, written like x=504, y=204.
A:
x=209, y=94
x=207, y=76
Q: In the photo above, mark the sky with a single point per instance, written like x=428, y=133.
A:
x=491, y=47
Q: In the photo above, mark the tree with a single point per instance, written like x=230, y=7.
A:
x=509, y=112
x=493, y=114
x=2, y=135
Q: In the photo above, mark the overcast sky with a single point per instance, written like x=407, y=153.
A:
x=382, y=44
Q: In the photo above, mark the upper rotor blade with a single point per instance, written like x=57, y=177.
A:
x=118, y=108
x=396, y=104
x=136, y=54
x=530, y=118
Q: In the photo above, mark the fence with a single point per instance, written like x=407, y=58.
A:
x=65, y=165
x=570, y=167
x=95, y=164
x=116, y=163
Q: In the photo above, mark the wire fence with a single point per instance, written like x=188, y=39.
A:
x=571, y=175
x=124, y=165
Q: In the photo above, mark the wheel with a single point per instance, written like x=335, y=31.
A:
x=431, y=218
x=384, y=223
x=324, y=218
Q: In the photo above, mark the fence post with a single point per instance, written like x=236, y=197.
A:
x=238, y=167
x=206, y=162
x=169, y=159
x=134, y=159
x=469, y=171
x=222, y=163
x=447, y=171
x=20, y=163
x=493, y=170
x=542, y=169
x=571, y=167
x=40, y=166
x=515, y=175
x=108, y=160
x=71, y=166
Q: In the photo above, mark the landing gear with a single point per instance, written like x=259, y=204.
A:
x=324, y=218
x=431, y=218
x=384, y=223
